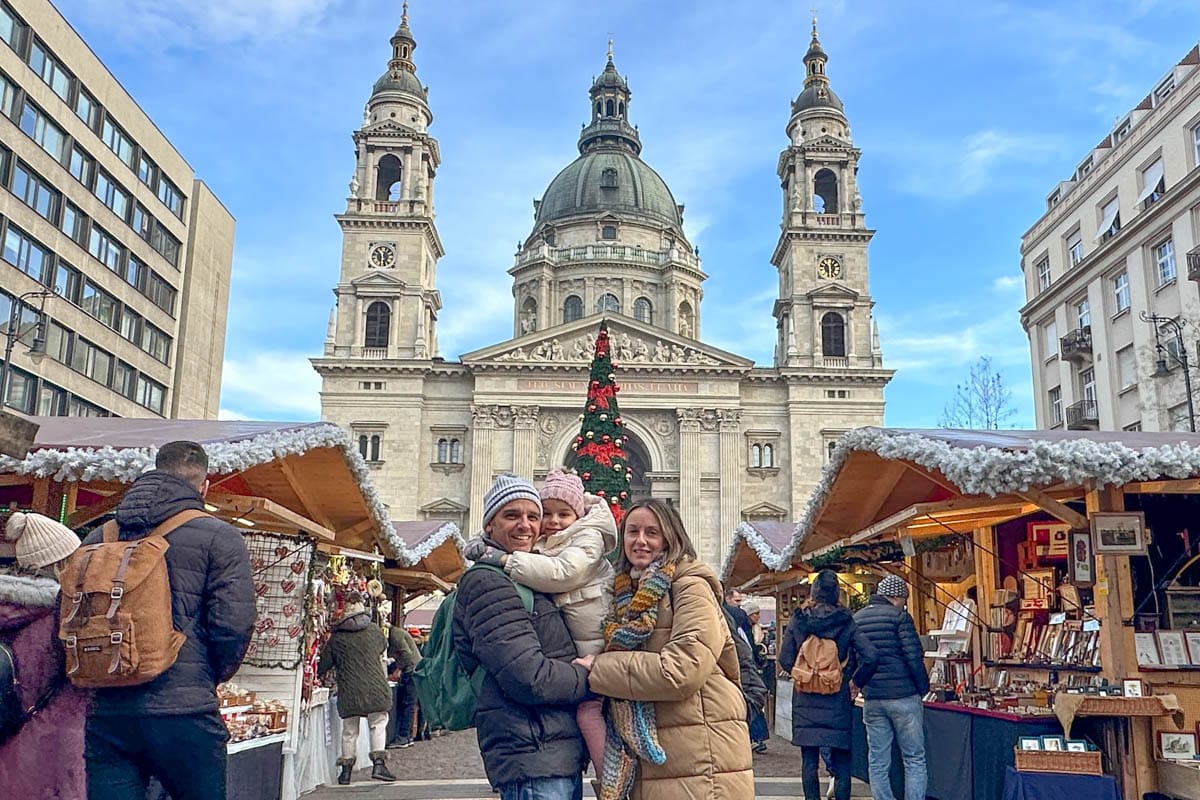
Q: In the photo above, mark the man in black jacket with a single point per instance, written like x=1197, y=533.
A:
x=170, y=727
x=525, y=715
x=892, y=707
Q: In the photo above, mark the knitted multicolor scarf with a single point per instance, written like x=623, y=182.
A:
x=632, y=732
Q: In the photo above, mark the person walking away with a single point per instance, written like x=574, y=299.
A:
x=831, y=653
x=733, y=606
x=169, y=727
x=402, y=650
x=676, y=715
x=753, y=689
x=43, y=757
x=355, y=650
x=568, y=561
x=759, y=731
x=525, y=713
x=893, y=707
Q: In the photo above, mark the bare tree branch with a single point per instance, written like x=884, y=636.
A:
x=983, y=401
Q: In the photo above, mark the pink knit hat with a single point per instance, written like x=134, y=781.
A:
x=564, y=486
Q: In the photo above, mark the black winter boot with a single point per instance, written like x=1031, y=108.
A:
x=347, y=766
x=380, y=772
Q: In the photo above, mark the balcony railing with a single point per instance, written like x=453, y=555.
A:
x=1077, y=345
x=835, y=362
x=1193, y=264
x=374, y=352
x=1083, y=416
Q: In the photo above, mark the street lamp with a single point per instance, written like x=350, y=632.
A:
x=37, y=350
x=1161, y=370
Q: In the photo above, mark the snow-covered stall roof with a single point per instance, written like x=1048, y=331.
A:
x=434, y=555
x=875, y=473
x=755, y=545
x=313, y=469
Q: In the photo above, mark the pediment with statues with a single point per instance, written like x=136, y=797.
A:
x=634, y=344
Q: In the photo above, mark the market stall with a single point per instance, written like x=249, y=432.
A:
x=1069, y=539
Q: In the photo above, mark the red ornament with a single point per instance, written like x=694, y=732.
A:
x=605, y=438
x=587, y=476
x=600, y=493
x=624, y=495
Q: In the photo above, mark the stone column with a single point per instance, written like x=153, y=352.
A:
x=524, y=440
x=689, y=470
x=731, y=474
x=483, y=423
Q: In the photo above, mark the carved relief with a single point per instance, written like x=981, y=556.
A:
x=626, y=349
x=492, y=416
x=525, y=417
x=709, y=420
x=730, y=419
x=689, y=419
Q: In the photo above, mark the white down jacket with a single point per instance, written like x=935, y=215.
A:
x=570, y=565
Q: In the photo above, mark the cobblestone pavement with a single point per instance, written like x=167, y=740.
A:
x=450, y=767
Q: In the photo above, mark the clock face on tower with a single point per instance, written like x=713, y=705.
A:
x=829, y=267
x=382, y=256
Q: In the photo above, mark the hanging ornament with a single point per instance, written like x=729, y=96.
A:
x=600, y=493
x=592, y=408
x=581, y=417
x=618, y=421
x=614, y=500
x=590, y=434
x=612, y=376
x=603, y=417
x=617, y=467
x=605, y=438
x=587, y=476
x=624, y=495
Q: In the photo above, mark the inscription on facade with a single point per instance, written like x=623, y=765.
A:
x=580, y=387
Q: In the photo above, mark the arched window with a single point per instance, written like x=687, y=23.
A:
x=375, y=447
x=768, y=456
x=362, y=446
x=443, y=454
x=643, y=311
x=830, y=448
x=756, y=456
x=686, y=321
x=455, y=451
x=608, y=302
x=608, y=178
x=599, y=108
x=621, y=108
x=833, y=334
x=387, y=178
x=572, y=309
x=379, y=323
x=608, y=108
x=825, y=185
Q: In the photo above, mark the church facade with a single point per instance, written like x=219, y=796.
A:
x=723, y=439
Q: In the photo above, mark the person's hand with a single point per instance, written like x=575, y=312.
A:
x=585, y=661
x=493, y=556
x=474, y=548
x=854, y=691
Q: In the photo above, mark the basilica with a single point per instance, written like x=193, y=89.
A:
x=724, y=439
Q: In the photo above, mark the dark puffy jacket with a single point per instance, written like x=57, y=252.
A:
x=525, y=717
x=901, y=671
x=355, y=650
x=212, y=600
x=824, y=720
x=753, y=688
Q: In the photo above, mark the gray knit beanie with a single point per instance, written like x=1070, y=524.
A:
x=892, y=586
x=506, y=489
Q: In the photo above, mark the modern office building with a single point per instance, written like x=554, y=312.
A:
x=1111, y=308
x=98, y=207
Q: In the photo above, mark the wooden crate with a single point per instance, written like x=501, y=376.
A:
x=1072, y=763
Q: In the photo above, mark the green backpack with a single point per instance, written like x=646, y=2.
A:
x=447, y=693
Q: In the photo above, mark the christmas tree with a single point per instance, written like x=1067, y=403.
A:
x=600, y=457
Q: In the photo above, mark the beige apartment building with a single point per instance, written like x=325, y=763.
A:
x=1112, y=311
x=724, y=439
x=100, y=209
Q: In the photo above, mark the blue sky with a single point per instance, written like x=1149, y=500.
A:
x=967, y=113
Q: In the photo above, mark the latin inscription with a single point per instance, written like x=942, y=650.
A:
x=580, y=387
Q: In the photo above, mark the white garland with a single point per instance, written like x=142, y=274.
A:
x=746, y=532
x=435, y=540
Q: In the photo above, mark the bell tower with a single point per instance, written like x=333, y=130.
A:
x=823, y=313
x=387, y=303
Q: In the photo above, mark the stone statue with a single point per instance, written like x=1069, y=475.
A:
x=640, y=351
x=624, y=348
x=685, y=328
x=677, y=354
x=354, y=185
x=556, y=351
x=528, y=322
x=662, y=354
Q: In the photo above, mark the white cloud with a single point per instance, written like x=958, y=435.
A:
x=954, y=169
x=226, y=413
x=277, y=385
x=1008, y=283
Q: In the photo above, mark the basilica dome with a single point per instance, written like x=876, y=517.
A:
x=609, y=178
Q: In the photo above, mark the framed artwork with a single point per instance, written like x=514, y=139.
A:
x=1119, y=532
x=1192, y=639
x=1133, y=687
x=1172, y=648
x=1081, y=558
x=1076, y=746
x=1177, y=745
x=1049, y=539
x=1054, y=743
x=1146, y=646
x=1031, y=743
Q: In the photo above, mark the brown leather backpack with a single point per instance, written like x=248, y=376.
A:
x=115, y=609
x=818, y=670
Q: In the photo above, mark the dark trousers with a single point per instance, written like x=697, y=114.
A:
x=186, y=752
x=406, y=707
x=839, y=764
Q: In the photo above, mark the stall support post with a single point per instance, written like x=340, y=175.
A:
x=1113, y=598
x=985, y=585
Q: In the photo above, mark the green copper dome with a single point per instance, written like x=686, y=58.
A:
x=399, y=80
x=608, y=179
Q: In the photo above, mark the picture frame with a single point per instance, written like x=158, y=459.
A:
x=1192, y=638
x=1172, y=648
x=1054, y=743
x=1081, y=558
x=1133, y=687
x=1031, y=743
x=1177, y=745
x=1119, y=533
x=1076, y=746
x=1146, y=646
x=1049, y=539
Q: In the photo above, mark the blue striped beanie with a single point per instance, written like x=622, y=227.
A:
x=504, y=490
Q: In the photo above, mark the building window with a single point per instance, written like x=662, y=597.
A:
x=1056, y=406
x=379, y=323
x=131, y=326
x=51, y=71
x=146, y=170
x=1164, y=89
x=608, y=232
x=101, y=305
x=58, y=342
x=22, y=391
x=449, y=451
x=364, y=444
x=376, y=440
x=1083, y=314
x=1050, y=339
x=1122, y=133
x=608, y=178
x=166, y=244
x=78, y=407
x=25, y=254
x=1110, y=220
x=34, y=191
x=1087, y=389
x=171, y=197
x=572, y=309
x=73, y=223
x=833, y=335
x=86, y=108
x=67, y=282
x=142, y=222
x=1121, y=291
x=756, y=456
x=10, y=28
x=117, y=140
x=1164, y=258
x=107, y=191
x=608, y=303
x=156, y=342
x=81, y=166
x=1126, y=368
x=643, y=311
x=1153, y=184
x=1075, y=248
x=1196, y=144
x=1083, y=169
x=150, y=394
x=1177, y=418
x=105, y=249
x=38, y=127
x=8, y=95
x=1043, y=274
x=52, y=401
x=1133, y=427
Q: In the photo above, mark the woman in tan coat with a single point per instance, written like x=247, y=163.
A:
x=676, y=716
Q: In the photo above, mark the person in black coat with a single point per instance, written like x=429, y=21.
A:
x=525, y=714
x=170, y=727
x=753, y=689
x=824, y=720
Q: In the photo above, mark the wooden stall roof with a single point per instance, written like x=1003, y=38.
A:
x=757, y=552
x=932, y=482
x=435, y=560
x=281, y=476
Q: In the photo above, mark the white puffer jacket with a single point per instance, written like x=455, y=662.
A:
x=570, y=564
